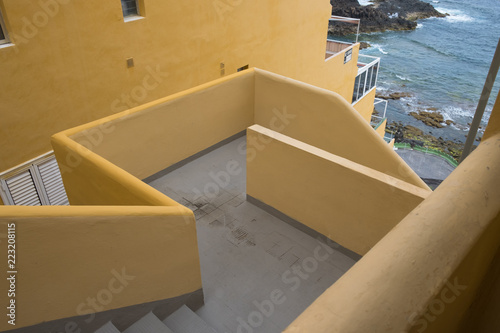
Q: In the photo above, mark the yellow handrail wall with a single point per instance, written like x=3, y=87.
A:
x=67, y=256
x=351, y=204
x=325, y=120
x=424, y=274
x=90, y=179
x=365, y=106
x=152, y=137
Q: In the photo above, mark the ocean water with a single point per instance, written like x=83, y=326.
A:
x=443, y=64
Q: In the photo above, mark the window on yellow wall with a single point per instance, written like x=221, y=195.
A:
x=3, y=32
x=130, y=8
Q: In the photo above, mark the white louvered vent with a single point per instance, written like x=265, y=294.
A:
x=52, y=181
x=37, y=183
x=22, y=189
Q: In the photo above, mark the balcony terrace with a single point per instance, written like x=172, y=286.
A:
x=334, y=47
x=173, y=195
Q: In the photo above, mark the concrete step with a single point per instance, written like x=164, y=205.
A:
x=108, y=328
x=148, y=324
x=185, y=320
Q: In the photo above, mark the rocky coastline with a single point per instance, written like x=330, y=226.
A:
x=432, y=118
x=381, y=15
x=416, y=137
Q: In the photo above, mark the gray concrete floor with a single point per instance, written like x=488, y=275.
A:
x=426, y=165
x=259, y=273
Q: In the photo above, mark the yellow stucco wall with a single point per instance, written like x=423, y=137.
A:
x=324, y=120
x=365, y=105
x=424, y=274
x=152, y=137
x=338, y=75
x=482, y=316
x=351, y=204
x=68, y=65
x=59, y=244
x=90, y=179
x=65, y=257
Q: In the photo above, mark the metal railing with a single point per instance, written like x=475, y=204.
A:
x=335, y=46
x=381, y=101
x=388, y=137
x=381, y=114
x=366, y=61
x=366, y=79
x=347, y=20
x=378, y=123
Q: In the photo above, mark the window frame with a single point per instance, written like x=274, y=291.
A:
x=134, y=16
x=6, y=39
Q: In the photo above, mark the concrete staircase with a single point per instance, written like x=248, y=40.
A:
x=184, y=320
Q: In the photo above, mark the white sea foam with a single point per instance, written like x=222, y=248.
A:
x=379, y=47
x=419, y=25
x=447, y=117
x=459, y=127
x=435, y=1
x=365, y=2
x=455, y=15
x=380, y=86
x=403, y=78
x=458, y=111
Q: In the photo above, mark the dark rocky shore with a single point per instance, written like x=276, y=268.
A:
x=381, y=15
x=416, y=137
x=432, y=118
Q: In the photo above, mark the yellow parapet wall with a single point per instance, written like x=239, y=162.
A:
x=351, y=204
x=425, y=274
x=152, y=137
x=337, y=71
x=90, y=179
x=69, y=258
x=323, y=119
x=365, y=105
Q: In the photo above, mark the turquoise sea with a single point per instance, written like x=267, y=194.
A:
x=443, y=63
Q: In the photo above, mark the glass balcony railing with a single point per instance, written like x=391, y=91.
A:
x=367, y=76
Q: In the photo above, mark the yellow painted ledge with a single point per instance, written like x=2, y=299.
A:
x=425, y=273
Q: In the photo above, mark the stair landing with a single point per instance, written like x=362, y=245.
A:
x=259, y=273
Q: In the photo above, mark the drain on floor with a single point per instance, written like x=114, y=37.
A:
x=239, y=235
